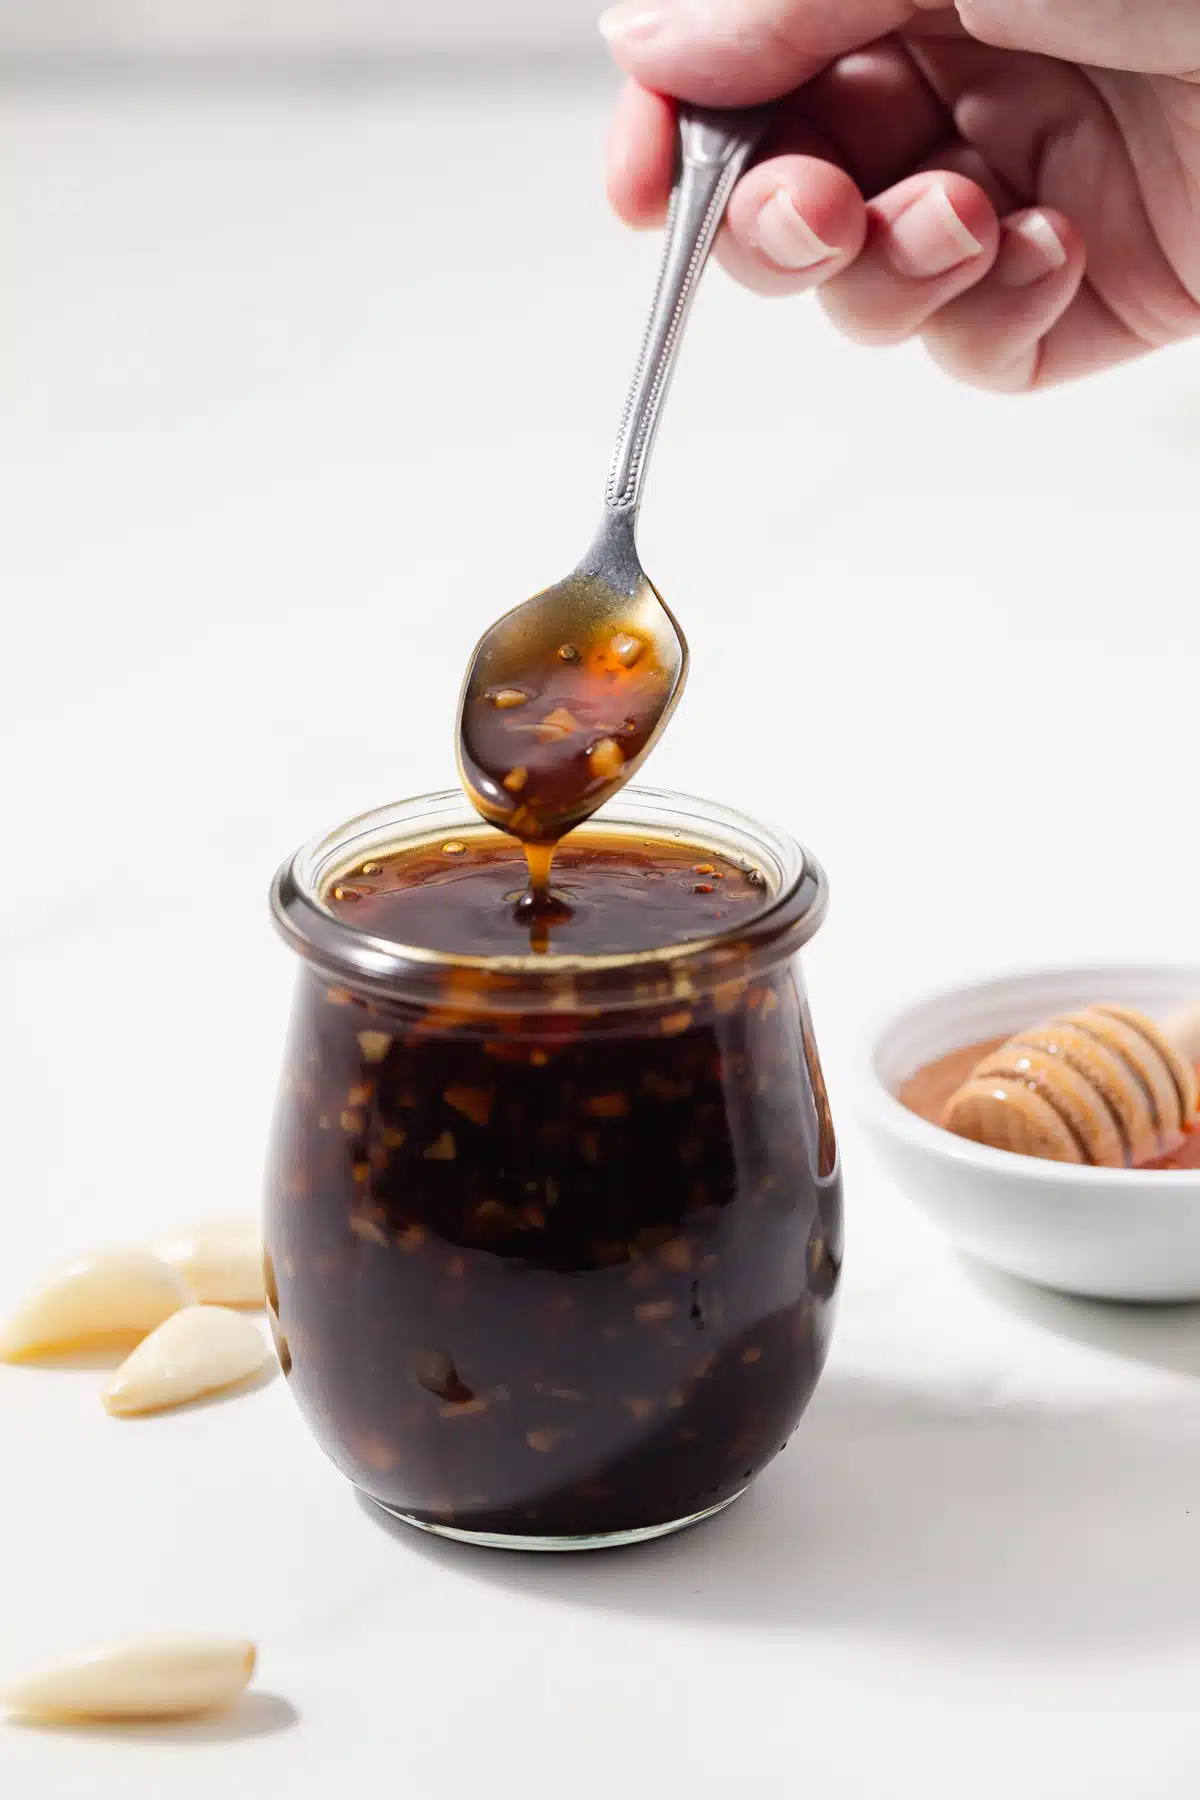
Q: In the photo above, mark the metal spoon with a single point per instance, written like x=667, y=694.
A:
x=566, y=695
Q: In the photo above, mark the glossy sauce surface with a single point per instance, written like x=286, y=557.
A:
x=927, y=1091
x=610, y=895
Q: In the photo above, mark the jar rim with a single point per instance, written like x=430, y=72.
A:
x=530, y=982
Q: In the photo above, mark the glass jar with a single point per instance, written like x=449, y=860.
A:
x=552, y=1241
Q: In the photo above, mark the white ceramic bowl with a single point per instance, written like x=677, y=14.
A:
x=1113, y=1234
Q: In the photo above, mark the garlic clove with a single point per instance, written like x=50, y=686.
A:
x=195, y=1352
x=104, y=1297
x=220, y=1259
x=141, y=1678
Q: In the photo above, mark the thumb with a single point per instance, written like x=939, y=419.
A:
x=741, y=52
x=1150, y=37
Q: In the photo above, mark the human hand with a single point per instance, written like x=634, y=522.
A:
x=1017, y=182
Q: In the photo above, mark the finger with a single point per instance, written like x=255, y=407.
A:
x=793, y=223
x=1088, y=337
x=992, y=336
x=1045, y=129
x=1153, y=37
x=929, y=240
x=1011, y=107
x=640, y=156
x=877, y=110
x=642, y=148
x=740, y=52
x=964, y=159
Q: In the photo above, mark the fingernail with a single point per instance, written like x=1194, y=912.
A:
x=1030, y=249
x=929, y=238
x=632, y=19
x=786, y=238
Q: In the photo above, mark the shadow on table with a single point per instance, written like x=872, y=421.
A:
x=1164, y=1337
x=894, y=1511
x=107, y=1360
x=258, y=1714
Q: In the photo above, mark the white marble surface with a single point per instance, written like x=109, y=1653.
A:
x=296, y=389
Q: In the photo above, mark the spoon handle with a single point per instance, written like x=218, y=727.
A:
x=714, y=148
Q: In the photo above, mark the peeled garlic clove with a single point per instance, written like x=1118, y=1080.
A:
x=143, y=1678
x=105, y=1297
x=196, y=1351
x=220, y=1259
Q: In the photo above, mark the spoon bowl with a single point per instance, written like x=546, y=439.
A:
x=586, y=720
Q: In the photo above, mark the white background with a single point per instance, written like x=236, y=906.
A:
x=297, y=390
x=283, y=28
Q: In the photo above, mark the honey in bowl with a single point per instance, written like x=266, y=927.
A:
x=929, y=1090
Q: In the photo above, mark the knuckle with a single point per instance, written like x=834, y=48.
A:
x=870, y=325
x=991, y=373
x=986, y=23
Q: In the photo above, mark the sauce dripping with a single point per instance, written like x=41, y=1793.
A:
x=543, y=747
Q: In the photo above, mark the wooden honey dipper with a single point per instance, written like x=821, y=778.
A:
x=1103, y=1085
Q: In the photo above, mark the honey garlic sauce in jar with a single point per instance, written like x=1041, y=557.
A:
x=552, y=1240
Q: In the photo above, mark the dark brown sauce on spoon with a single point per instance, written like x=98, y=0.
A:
x=547, y=743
